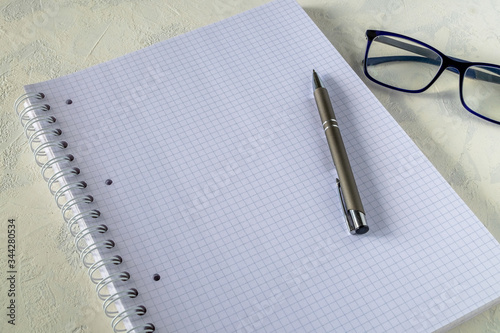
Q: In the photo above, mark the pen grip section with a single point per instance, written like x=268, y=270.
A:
x=338, y=151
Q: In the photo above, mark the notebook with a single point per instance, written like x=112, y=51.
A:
x=196, y=179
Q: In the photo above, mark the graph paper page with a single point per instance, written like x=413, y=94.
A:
x=223, y=185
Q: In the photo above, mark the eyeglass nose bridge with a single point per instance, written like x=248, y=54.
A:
x=455, y=65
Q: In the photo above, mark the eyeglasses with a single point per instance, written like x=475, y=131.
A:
x=406, y=64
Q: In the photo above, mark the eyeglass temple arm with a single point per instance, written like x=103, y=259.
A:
x=409, y=47
x=430, y=58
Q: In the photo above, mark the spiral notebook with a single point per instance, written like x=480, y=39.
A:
x=197, y=182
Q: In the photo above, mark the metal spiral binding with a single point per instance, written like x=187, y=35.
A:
x=39, y=151
x=121, y=276
x=25, y=97
x=107, y=244
x=35, y=137
x=93, y=213
x=61, y=174
x=131, y=293
x=30, y=125
x=115, y=260
x=102, y=228
x=72, y=202
x=43, y=138
x=23, y=115
x=148, y=328
x=65, y=188
x=139, y=310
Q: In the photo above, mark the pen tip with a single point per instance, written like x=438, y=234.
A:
x=316, y=81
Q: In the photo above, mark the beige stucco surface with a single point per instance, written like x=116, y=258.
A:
x=46, y=39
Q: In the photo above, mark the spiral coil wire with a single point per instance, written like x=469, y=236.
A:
x=42, y=138
x=130, y=293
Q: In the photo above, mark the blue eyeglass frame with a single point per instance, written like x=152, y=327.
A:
x=455, y=65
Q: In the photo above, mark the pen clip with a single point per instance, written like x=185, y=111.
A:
x=347, y=217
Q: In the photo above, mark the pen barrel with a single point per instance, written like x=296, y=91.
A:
x=338, y=151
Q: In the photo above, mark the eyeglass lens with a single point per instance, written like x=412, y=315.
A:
x=402, y=63
x=481, y=90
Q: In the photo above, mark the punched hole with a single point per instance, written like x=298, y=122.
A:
x=125, y=276
x=133, y=293
x=118, y=260
x=141, y=310
x=156, y=277
x=68, y=101
x=108, y=182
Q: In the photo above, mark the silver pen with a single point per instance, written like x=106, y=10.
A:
x=354, y=212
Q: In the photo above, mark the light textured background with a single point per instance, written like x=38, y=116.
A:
x=44, y=39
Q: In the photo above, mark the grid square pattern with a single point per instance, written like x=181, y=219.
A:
x=222, y=184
